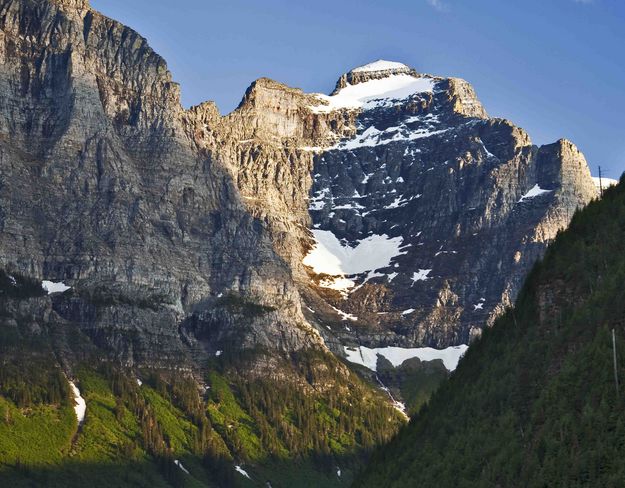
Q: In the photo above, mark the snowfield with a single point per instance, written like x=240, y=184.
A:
x=375, y=93
x=331, y=256
x=397, y=355
x=54, y=286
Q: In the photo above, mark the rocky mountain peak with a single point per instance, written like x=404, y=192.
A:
x=571, y=173
x=384, y=85
x=377, y=70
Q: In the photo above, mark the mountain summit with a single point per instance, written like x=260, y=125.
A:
x=449, y=206
x=382, y=65
x=377, y=70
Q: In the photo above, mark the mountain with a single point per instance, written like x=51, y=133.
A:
x=182, y=327
x=461, y=203
x=426, y=214
x=534, y=402
x=211, y=280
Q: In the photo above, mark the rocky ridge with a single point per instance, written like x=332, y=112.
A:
x=124, y=206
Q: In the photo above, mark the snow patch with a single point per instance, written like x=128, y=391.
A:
x=488, y=153
x=179, y=464
x=408, y=311
x=380, y=65
x=54, y=286
x=397, y=355
x=400, y=201
x=339, y=283
x=317, y=201
x=366, y=178
x=345, y=315
x=348, y=206
x=445, y=252
x=372, y=137
x=375, y=93
x=330, y=256
x=80, y=406
x=240, y=470
x=534, y=192
x=401, y=407
x=420, y=275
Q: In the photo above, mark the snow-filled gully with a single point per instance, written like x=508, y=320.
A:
x=80, y=405
x=401, y=407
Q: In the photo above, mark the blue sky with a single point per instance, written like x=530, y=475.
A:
x=554, y=67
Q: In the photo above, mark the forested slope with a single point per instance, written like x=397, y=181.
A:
x=157, y=428
x=534, y=403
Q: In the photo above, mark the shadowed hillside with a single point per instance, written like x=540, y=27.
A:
x=534, y=401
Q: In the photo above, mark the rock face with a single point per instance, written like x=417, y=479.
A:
x=471, y=201
x=184, y=232
x=405, y=164
x=104, y=187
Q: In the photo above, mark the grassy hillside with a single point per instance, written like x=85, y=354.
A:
x=534, y=403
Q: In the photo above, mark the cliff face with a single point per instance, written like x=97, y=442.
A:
x=472, y=205
x=104, y=187
x=543, y=376
x=429, y=212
